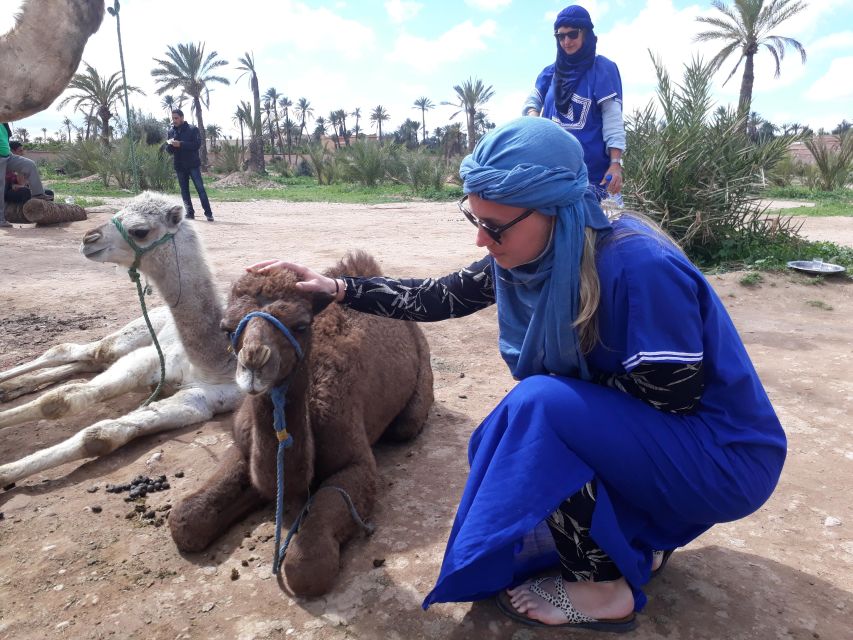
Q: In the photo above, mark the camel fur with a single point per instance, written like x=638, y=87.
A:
x=362, y=377
x=199, y=366
x=42, y=51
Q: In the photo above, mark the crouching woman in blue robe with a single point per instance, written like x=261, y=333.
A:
x=638, y=421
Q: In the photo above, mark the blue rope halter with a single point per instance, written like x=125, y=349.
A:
x=133, y=272
x=285, y=440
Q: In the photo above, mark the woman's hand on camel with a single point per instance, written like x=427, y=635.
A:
x=310, y=280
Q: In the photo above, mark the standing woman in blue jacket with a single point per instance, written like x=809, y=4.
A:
x=183, y=145
x=582, y=92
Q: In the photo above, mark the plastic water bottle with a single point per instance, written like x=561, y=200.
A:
x=613, y=201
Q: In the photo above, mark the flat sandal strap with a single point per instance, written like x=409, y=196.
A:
x=561, y=601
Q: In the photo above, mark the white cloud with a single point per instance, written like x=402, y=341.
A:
x=834, y=84
x=841, y=41
x=400, y=11
x=489, y=5
x=453, y=45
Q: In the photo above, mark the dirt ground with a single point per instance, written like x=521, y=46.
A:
x=785, y=572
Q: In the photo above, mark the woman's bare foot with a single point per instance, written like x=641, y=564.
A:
x=599, y=600
x=657, y=560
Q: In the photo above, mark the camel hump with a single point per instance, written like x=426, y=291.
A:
x=356, y=263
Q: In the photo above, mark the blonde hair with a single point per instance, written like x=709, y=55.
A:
x=586, y=324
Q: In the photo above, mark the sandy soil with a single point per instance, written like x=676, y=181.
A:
x=67, y=571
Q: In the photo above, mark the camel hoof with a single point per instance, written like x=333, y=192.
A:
x=312, y=571
x=191, y=531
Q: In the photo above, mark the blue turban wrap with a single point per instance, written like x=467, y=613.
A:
x=569, y=69
x=533, y=162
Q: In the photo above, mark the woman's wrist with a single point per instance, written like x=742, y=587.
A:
x=340, y=289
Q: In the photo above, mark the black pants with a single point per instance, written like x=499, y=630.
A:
x=184, y=176
x=581, y=559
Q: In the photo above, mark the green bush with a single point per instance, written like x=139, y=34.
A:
x=833, y=162
x=323, y=163
x=696, y=172
x=85, y=158
x=424, y=171
x=364, y=162
x=230, y=159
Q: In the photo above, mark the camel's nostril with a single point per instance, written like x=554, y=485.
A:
x=254, y=357
x=91, y=236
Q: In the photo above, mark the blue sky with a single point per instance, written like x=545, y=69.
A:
x=348, y=54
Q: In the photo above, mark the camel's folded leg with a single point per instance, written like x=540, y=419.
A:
x=227, y=496
x=31, y=382
x=137, y=370
x=312, y=562
x=102, y=352
x=187, y=406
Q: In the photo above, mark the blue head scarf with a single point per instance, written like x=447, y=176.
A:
x=533, y=162
x=569, y=69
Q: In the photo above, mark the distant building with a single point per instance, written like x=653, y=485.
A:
x=799, y=152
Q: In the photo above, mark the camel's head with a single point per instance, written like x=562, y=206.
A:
x=266, y=357
x=147, y=220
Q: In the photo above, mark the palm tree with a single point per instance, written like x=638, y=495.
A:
x=44, y=134
x=273, y=96
x=214, y=132
x=744, y=28
x=342, y=122
x=285, y=103
x=240, y=119
x=256, y=145
x=377, y=117
x=303, y=111
x=66, y=122
x=356, y=113
x=99, y=93
x=270, y=120
x=168, y=103
x=319, y=128
x=471, y=95
x=424, y=104
x=333, y=120
x=188, y=69
x=23, y=135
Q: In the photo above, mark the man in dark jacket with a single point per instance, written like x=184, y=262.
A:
x=183, y=144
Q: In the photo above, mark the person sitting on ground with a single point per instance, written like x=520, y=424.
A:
x=17, y=189
x=22, y=166
x=638, y=421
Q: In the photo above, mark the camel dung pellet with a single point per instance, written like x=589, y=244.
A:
x=378, y=562
x=92, y=489
x=161, y=478
x=179, y=474
x=166, y=485
x=149, y=515
x=96, y=508
x=9, y=486
x=234, y=573
x=140, y=508
x=130, y=514
x=245, y=563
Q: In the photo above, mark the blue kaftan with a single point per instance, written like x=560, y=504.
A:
x=663, y=478
x=602, y=82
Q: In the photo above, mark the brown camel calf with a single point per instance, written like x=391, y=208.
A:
x=362, y=377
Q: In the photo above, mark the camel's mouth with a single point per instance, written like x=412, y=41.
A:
x=91, y=252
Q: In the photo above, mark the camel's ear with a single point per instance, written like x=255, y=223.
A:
x=321, y=301
x=175, y=215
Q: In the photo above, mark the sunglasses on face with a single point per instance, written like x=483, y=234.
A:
x=574, y=34
x=494, y=232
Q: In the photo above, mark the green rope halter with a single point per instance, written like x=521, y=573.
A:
x=133, y=272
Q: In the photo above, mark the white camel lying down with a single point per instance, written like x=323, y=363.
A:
x=199, y=366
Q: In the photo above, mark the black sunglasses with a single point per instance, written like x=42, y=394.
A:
x=493, y=232
x=574, y=34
